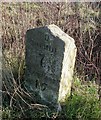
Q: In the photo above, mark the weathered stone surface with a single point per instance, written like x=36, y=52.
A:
x=50, y=59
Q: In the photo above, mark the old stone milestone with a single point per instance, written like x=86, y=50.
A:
x=50, y=59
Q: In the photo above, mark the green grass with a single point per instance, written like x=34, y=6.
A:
x=84, y=103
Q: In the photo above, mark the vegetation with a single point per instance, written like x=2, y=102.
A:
x=83, y=104
x=82, y=22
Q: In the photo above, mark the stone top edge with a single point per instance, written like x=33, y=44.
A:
x=53, y=28
x=56, y=31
